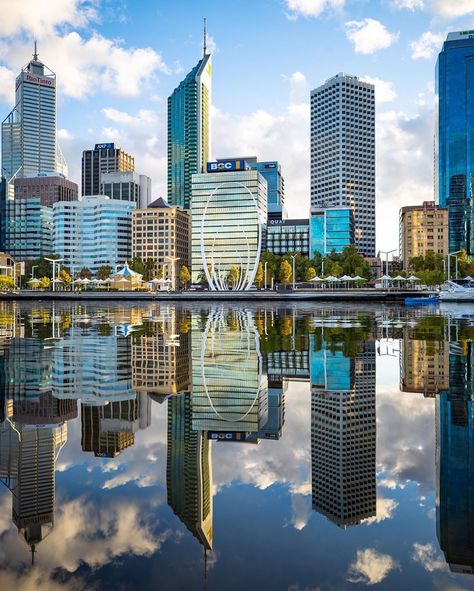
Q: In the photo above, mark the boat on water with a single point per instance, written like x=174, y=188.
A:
x=454, y=292
x=422, y=301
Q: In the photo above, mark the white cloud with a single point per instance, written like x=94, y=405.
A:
x=35, y=17
x=312, y=7
x=144, y=117
x=369, y=35
x=385, y=510
x=211, y=44
x=409, y=4
x=427, y=45
x=370, y=567
x=384, y=90
x=65, y=134
x=453, y=8
x=428, y=557
x=7, y=85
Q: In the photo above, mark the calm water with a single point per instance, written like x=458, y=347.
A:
x=236, y=447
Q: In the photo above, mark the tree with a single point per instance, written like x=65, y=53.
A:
x=64, y=277
x=184, y=276
x=85, y=273
x=233, y=276
x=285, y=272
x=336, y=269
x=6, y=282
x=310, y=273
x=45, y=282
x=149, y=269
x=104, y=272
x=259, y=275
x=137, y=265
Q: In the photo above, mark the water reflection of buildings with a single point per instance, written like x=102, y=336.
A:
x=343, y=434
x=455, y=461
x=424, y=366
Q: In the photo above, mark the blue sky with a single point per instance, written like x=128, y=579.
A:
x=117, y=62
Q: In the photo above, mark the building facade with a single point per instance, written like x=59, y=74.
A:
x=29, y=229
x=343, y=152
x=161, y=232
x=271, y=172
x=423, y=228
x=47, y=187
x=104, y=158
x=229, y=211
x=93, y=231
x=29, y=139
x=189, y=137
x=454, y=166
x=283, y=236
x=127, y=186
x=331, y=229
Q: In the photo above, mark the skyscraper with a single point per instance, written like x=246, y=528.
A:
x=104, y=158
x=343, y=152
x=189, y=138
x=453, y=145
x=29, y=140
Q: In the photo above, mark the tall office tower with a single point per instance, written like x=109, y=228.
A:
x=102, y=159
x=189, y=471
x=343, y=434
x=455, y=461
x=3, y=212
x=271, y=172
x=424, y=365
x=127, y=186
x=343, y=152
x=29, y=140
x=189, y=134
x=453, y=137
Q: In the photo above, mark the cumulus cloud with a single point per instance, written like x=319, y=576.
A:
x=144, y=117
x=428, y=557
x=37, y=580
x=452, y=8
x=427, y=45
x=384, y=90
x=370, y=567
x=7, y=85
x=369, y=35
x=385, y=510
x=312, y=8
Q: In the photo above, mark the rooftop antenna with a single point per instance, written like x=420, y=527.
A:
x=35, y=55
x=205, y=38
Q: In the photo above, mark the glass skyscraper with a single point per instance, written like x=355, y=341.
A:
x=189, y=139
x=455, y=137
x=29, y=142
x=331, y=229
x=343, y=152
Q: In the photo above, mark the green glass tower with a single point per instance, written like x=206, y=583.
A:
x=189, y=131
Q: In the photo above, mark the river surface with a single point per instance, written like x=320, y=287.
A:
x=236, y=447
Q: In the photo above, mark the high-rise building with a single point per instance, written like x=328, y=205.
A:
x=29, y=139
x=343, y=434
x=424, y=366
x=189, y=134
x=331, y=229
x=127, y=186
x=48, y=187
x=229, y=212
x=102, y=159
x=454, y=110
x=271, y=172
x=423, y=228
x=93, y=231
x=3, y=212
x=163, y=233
x=343, y=152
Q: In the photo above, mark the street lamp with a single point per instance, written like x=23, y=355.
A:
x=33, y=271
x=172, y=261
x=386, y=253
x=453, y=254
x=54, y=262
x=293, y=274
x=265, y=275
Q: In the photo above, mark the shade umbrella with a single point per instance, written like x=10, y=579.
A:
x=400, y=278
x=346, y=278
x=468, y=278
x=35, y=281
x=386, y=278
x=413, y=278
x=86, y=281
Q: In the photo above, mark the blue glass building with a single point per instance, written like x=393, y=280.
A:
x=189, y=138
x=455, y=137
x=3, y=212
x=331, y=229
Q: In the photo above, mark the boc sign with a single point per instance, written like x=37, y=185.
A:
x=227, y=166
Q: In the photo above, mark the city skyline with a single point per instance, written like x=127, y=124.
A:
x=119, y=88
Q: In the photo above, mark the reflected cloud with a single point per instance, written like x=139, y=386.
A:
x=429, y=558
x=385, y=510
x=370, y=567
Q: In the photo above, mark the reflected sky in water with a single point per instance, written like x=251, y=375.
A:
x=236, y=447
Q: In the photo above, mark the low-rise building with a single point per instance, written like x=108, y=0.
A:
x=162, y=232
x=331, y=229
x=127, y=186
x=284, y=236
x=93, y=231
x=423, y=228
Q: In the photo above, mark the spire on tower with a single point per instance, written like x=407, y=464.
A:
x=205, y=38
x=35, y=54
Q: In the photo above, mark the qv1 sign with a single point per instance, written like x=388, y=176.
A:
x=227, y=166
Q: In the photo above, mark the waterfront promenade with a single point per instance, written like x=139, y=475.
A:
x=355, y=295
